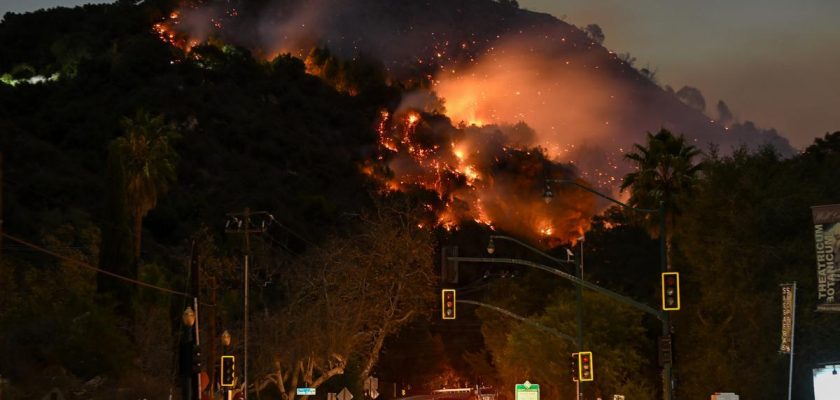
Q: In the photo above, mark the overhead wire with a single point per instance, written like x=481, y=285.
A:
x=94, y=268
x=95, y=219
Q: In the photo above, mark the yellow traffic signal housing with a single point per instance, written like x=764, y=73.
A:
x=670, y=291
x=447, y=299
x=228, y=377
x=586, y=371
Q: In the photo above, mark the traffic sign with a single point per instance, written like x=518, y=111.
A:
x=371, y=383
x=345, y=394
x=371, y=387
x=527, y=391
x=304, y=391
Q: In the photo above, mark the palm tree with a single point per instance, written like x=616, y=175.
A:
x=148, y=161
x=115, y=253
x=665, y=172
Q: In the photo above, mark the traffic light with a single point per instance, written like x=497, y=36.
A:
x=670, y=291
x=196, y=359
x=447, y=297
x=585, y=368
x=574, y=370
x=228, y=363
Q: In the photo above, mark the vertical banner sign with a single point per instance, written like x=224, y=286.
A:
x=827, y=240
x=787, y=318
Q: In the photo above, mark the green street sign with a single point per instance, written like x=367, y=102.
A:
x=527, y=391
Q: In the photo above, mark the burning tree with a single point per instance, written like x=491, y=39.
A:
x=346, y=297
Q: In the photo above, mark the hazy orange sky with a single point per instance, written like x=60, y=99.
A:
x=776, y=62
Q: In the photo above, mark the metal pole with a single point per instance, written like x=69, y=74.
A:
x=667, y=371
x=244, y=226
x=792, y=337
x=518, y=318
x=609, y=293
x=211, y=345
x=197, y=343
x=245, y=333
x=579, y=314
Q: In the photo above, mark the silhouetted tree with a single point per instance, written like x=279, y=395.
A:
x=595, y=33
x=724, y=114
x=692, y=97
x=148, y=161
x=665, y=172
x=116, y=252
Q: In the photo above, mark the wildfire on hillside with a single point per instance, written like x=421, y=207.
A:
x=192, y=23
x=487, y=169
x=474, y=175
x=168, y=31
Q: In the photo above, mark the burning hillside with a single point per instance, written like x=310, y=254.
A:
x=474, y=175
x=489, y=68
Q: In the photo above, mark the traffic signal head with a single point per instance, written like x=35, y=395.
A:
x=670, y=291
x=585, y=366
x=574, y=370
x=227, y=371
x=196, y=359
x=447, y=298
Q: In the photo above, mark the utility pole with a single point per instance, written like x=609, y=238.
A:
x=244, y=223
x=194, y=291
x=211, y=346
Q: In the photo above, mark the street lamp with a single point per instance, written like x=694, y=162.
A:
x=663, y=263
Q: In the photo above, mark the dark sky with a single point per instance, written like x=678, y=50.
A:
x=776, y=62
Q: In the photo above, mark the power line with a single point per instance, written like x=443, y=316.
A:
x=292, y=232
x=94, y=219
x=88, y=266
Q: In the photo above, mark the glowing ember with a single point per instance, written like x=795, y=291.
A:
x=547, y=231
x=475, y=178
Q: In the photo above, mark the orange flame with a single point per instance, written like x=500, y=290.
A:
x=466, y=189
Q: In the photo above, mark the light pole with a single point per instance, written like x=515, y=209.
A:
x=578, y=266
x=548, y=195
